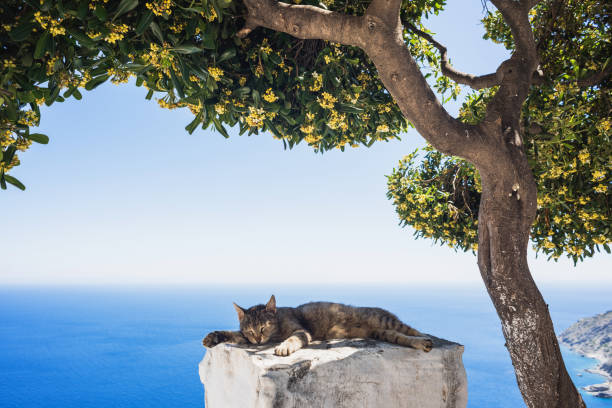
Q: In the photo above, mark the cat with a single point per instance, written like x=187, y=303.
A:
x=295, y=328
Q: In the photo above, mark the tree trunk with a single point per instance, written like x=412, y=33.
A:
x=508, y=201
x=507, y=210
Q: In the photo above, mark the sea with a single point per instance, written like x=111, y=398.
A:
x=82, y=347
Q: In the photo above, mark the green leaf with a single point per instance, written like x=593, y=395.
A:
x=95, y=82
x=220, y=127
x=208, y=42
x=157, y=32
x=231, y=53
x=273, y=128
x=2, y=181
x=38, y=138
x=347, y=108
x=256, y=97
x=177, y=84
x=12, y=180
x=82, y=10
x=124, y=7
x=42, y=45
x=100, y=12
x=22, y=31
x=144, y=22
x=193, y=124
x=82, y=38
x=186, y=49
x=9, y=153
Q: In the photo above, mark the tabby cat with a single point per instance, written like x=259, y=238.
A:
x=295, y=328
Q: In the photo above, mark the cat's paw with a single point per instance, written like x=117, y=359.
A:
x=426, y=345
x=287, y=347
x=213, y=338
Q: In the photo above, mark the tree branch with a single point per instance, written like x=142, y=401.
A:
x=516, y=74
x=530, y=3
x=305, y=22
x=595, y=78
x=380, y=35
x=473, y=81
x=387, y=10
x=516, y=16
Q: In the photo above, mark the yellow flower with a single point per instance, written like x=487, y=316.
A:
x=328, y=100
x=584, y=156
x=116, y=33
x=118, y=77
x=220, y=108
x=265, y=48
x=215, y=72
x=601, y=239
x=308, y=129
x=382, y=129
x=337, y=121
x=600, y=188
x=242, y=80
x=318, y=82
x=598, y=174
x=311, y=139
x=269, y=96
x=213, y=15
x=548, y=244
x=555, y=172
x=160, y=7
x=178, y=27
x=9, y=63
x=256, y=117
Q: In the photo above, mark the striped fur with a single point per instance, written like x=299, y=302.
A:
x=295, y=328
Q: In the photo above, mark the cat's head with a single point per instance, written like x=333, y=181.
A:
x=258, y=323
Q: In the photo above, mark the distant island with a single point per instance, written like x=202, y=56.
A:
x=592, y=337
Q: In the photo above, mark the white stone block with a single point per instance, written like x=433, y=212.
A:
x=335, y=374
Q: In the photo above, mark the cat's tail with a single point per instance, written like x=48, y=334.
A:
x=389, y=321
x=395, y=337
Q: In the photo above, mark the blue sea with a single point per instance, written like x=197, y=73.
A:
x=140, y=347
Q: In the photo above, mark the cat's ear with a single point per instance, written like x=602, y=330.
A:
x=240, y=311
x=271, y=305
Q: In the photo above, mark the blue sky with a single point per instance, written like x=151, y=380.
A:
x=123, y=195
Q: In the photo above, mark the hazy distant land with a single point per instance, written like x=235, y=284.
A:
x=592, y=337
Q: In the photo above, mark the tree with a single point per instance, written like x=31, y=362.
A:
x=340, y=74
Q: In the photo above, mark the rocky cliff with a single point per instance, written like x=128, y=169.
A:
x=335, y=374
x=592, y=337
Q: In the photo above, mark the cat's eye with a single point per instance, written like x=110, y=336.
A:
x=262, y=330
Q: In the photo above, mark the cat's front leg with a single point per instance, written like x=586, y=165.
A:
x=293, y=343
x=222, y=336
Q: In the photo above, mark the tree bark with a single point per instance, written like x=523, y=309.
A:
x=506, y=212
x=509, y=196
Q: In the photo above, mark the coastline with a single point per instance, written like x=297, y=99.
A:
x=589, y=338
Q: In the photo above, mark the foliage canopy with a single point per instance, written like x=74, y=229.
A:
x=188, y=53
x=327, y=95
x=567, y=122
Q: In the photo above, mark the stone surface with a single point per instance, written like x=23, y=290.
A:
x=335, y=374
